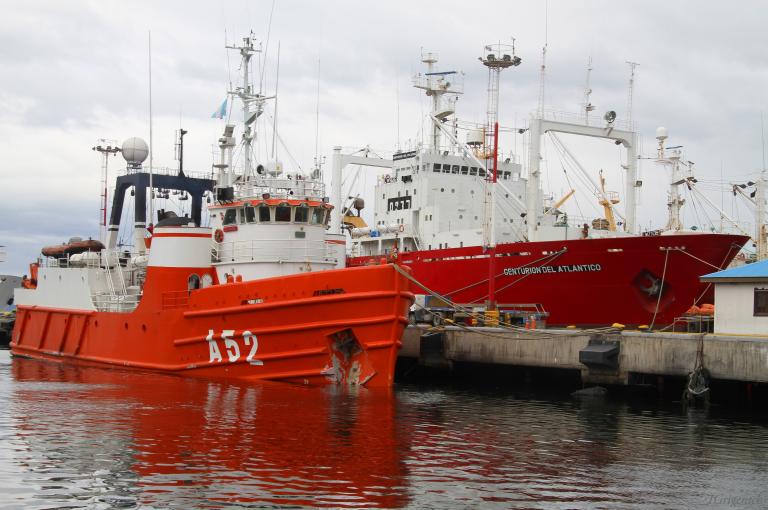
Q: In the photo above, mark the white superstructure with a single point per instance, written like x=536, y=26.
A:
x=441, y=194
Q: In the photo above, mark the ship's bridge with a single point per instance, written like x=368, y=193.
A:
x=258, y=238
x=435, y=200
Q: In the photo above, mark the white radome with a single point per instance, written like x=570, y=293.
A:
x=662, y=133
x=135, y=150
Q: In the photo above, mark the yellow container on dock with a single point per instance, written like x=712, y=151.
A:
x=492, y=318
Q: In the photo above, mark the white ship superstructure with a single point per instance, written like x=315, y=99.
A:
x=442, y=195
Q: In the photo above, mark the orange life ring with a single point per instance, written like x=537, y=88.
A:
x=218, y=236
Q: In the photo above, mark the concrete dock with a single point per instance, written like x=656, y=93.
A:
x=615, y=358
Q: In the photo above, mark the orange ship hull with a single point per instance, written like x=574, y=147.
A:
x=328, y=327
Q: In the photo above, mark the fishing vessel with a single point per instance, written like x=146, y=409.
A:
x=477, y=231
x=259, y=294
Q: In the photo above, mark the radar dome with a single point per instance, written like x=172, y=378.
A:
x=661, y=133
x=135, y=151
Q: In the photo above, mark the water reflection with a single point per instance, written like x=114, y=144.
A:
x=116, y=438
x=86, y=437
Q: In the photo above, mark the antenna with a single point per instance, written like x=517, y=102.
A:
x=588, y=106
x=543, y=71
x=266, y=47
x=397, y=111
x=274, y=121
x=318, y=163
x=762, y=135
x=151, y=186
x=542, y=80
x=631, y=91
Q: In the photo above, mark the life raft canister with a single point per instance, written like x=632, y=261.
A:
x=218, y=235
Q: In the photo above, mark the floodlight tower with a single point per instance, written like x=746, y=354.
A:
x=106, y=148
x=496, y=58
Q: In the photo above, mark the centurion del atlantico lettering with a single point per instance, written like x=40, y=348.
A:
x=569, y=268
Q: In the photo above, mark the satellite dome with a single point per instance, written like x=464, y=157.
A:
x=135, y=151
x=661, y=133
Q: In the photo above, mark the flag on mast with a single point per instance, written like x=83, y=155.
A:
x=221, y=111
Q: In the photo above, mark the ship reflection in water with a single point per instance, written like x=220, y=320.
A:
x=87, y=437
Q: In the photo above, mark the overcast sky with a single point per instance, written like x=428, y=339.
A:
x=74, y=72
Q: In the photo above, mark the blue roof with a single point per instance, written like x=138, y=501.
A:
x=754, y=270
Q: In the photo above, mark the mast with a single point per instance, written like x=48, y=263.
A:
x=495, y=58
x=674, y=200
x=253, y=104
x=180, y=149
x=761, y=235
x=436, y=84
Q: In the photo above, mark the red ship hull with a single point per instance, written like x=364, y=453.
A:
x=588, y=282
x=339, y=326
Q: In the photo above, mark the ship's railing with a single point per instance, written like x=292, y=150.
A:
x=273, y=250
x=91, y=260
x=165, y=171
x=293, y=188
x=108, y=302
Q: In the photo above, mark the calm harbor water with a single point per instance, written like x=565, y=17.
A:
x=94, y=438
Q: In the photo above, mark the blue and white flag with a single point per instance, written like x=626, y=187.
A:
x=221, y=111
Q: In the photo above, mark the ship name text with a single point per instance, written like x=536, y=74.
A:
x=567, y=268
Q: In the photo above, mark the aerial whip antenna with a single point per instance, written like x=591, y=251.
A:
x=318, y=163
x=631, y=91
x=151, y=186
x=274, y=121
x=266, y=47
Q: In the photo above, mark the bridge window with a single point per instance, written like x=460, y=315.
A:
x=446, y=169
x=481, y=172
x=264, y=213
x=283, y=213
x=473, y=170
x=317, y=215
x=241, y=215
x=436, y=167
x=455, y=169
x=302, y=214
x=464, y=170
x=250, y=214
x=230, y=217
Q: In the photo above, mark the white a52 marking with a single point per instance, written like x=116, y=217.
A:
x=232, y=346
